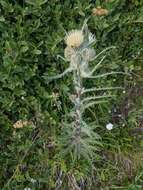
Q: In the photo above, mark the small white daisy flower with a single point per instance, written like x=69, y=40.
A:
x=74, y=38
x=109, y=126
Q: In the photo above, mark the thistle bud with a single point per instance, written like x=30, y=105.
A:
x=88, y=54
x=68, y=53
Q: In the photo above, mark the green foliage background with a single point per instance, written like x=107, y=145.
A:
x=31, y=37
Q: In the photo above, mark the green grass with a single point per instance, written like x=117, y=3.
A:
x=31, y=37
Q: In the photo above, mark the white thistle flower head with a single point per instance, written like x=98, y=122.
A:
x=74, y=38
x=109, y=126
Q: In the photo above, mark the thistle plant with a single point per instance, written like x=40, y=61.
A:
x=80, y=138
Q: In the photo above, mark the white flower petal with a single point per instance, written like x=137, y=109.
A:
x=109, y=126
x=74, y=38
